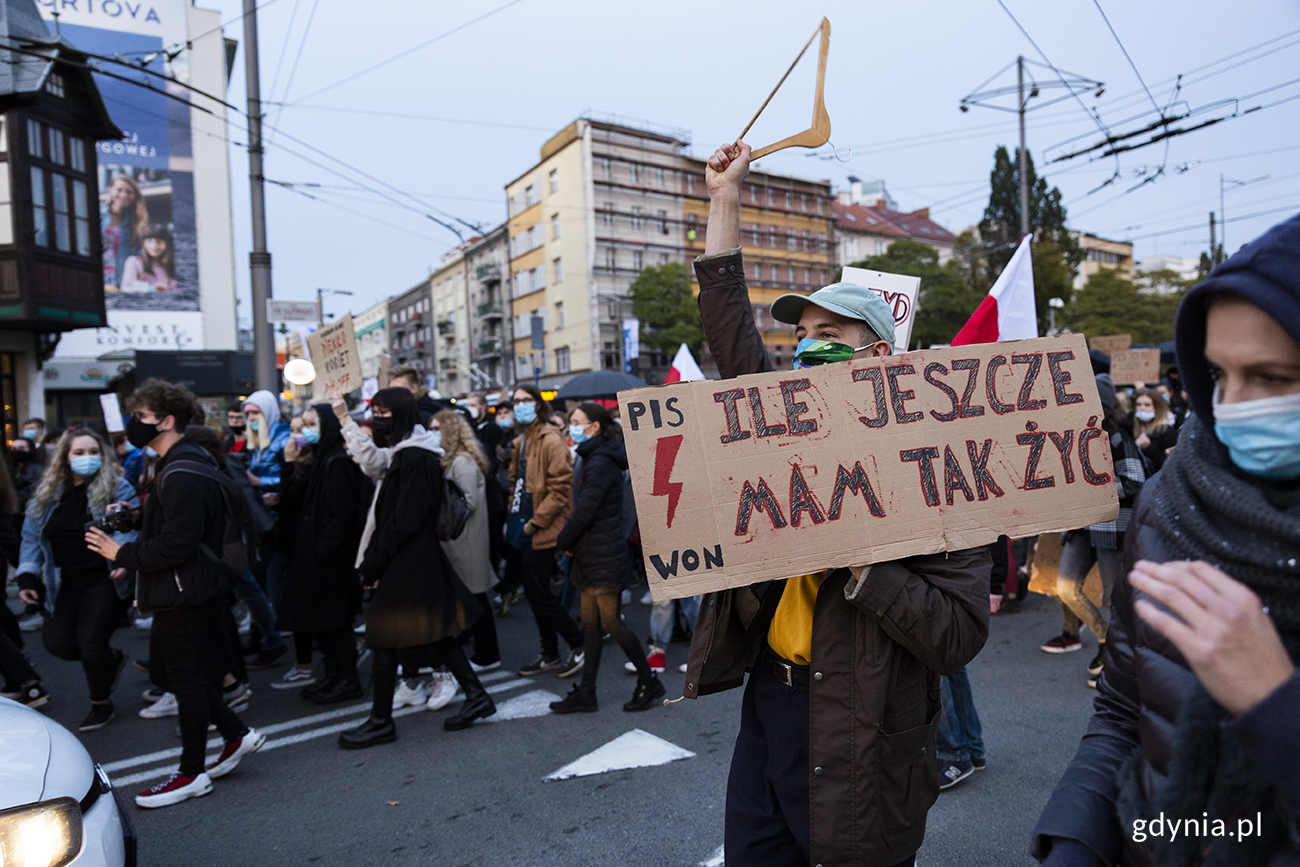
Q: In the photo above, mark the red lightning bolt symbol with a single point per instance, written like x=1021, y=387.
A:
x=665, y=456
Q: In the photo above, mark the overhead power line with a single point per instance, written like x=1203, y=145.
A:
x=1195, y=226
x=1131, y=64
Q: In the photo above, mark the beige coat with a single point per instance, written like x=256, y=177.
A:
x=468, y=552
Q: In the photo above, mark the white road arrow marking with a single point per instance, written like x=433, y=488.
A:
x=635, y=749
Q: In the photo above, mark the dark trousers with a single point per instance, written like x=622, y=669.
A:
x=552, y=619
x=14, y=667
x=768, y=821
x=232, y=648
x=600, y=614
x=339, y=647
x=187, y=657
x=79, y=630
x=383, y=669
x=484, y=632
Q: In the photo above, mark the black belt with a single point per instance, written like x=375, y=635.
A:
x=787, y=673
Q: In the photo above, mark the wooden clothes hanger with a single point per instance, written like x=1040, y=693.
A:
x=820, y=131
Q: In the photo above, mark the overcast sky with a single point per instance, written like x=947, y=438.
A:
x=490, y=94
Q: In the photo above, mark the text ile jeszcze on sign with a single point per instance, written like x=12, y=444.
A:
x=779, y=474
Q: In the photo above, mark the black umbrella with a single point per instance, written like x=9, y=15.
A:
x=605, y=384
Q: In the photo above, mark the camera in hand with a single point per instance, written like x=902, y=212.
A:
x=117, y=519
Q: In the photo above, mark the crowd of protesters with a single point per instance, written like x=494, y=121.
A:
x=398, y=531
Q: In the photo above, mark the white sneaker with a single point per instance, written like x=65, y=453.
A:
x=144, y=624
x=174, y=790
x=625, y=598
x=32, y=622
x=165, y=706
x=410, y=693
x=682, y=668
x=444, y=690
x=479, y=669
x=647, y=599
x=294, y=678
x=234, y=753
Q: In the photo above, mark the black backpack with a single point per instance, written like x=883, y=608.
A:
x=454, y=514
x=239, y=544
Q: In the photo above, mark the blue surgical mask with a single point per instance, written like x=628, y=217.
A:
x=29, y=434
x=254, y=425
x=311, y=435
x=86, y=465
x=437, y=438
x=149, y=452
x=1262, y=436
x=505, y=421
x=525, y=413
x=576, y=434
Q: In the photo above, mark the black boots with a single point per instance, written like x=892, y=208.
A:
x=578, y=700
x=646, y=694
x=338, y=691
x=370, y=733
x=478, y=703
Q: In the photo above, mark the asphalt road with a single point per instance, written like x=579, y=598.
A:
x=479, y=797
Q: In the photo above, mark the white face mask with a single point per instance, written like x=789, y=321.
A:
x=1145, y=414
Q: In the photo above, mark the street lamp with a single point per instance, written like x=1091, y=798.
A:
x=1053, y=304
x=1223, y=217
x=321, y=295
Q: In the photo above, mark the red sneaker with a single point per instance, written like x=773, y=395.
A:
x=656, y=659
x=1062, y=644
x=173, y=790
x=234, y=751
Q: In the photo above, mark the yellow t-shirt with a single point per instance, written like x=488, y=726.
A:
x=790, y=634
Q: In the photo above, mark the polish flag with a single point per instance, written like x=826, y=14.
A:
x=1007, y=312
x=684, y=368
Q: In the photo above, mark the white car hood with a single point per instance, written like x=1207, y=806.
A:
x=39, y=759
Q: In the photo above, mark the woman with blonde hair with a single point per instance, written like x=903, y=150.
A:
x=1153, y=426
x=124, y=220
x=83, y=599
x=465, y=463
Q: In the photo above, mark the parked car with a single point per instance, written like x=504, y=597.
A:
x=57, y=806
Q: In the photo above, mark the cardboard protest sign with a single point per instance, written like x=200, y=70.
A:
x=790, y=472
x=1110, y=343
x=333, y=352
x=112, y=413
x=1135, y=366
x=899, y=291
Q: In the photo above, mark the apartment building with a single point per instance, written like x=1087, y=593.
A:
x=1099, y=253
x=410, y=329
x=449, y=289
x=371, y=329
x=867, y=221
x=490, y=346
x=603, y=202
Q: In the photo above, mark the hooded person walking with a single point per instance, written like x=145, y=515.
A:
x=417, y=597
x=1195, y=719
x=321, y=594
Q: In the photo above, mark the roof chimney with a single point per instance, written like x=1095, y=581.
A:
x=922, y=212
x=855, y=189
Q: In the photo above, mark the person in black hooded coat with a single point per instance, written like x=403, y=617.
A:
x=328, y=498
x=593, y=534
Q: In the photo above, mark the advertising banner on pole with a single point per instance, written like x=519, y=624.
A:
x=791, y=472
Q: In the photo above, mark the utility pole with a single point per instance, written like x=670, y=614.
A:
x=1214, y=250
x=1024, y=152
x=1223, y=215
x=259, y=260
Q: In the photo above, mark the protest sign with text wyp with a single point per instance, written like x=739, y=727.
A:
x=786, y=473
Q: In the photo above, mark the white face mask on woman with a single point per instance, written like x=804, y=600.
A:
x=1145, y=415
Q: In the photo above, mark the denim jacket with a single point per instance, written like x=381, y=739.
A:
x=36, y=556
x=266, y=463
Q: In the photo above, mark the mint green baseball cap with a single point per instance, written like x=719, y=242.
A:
x=851, y=300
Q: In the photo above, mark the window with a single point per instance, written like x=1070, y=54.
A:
x=659, y=178
x=803, y=203
x=758, y=273
x=562, y=360
x=38, y=207
x=62, y=227
x=790, y=272
x=555, y=227
x=606, y=172
x=880, y=248
x=530, y=236
x=753, y=194
x=776, y=274
x=607, y=215
x=54, y=84
x=57, y=154
x=807, y=275
x=663, y=222
x=530, y=195
x=771, y=197
x=555, y=180
x=690, y=184
x=771, y=237
x=538, y=278
x=789, y=200
x=636, y=217
x=559, y=314
x=35, y=138
x=753, y=235
x=663, y=258
x=610, y=260
x=557, y=269
x=6, y=212
x=806, y=235
x=635, y=171
x=638, y=261
x=790, y=240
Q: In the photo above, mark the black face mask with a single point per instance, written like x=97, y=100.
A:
x=140, y=434
x=237, y=428
x=382, y=427
x=22, y=457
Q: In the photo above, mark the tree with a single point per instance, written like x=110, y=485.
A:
x=1110, y=304
x=946, y=300
x=1056, y=253
x=662, y=299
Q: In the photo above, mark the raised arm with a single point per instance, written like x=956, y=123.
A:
x=724, y=174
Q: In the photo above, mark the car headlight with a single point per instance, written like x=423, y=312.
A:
x=46, y=834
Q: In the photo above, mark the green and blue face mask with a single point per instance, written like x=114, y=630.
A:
x=811, y=353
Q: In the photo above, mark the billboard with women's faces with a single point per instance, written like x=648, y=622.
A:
x=146, y=180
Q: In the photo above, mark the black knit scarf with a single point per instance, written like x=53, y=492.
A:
x=1203, y=509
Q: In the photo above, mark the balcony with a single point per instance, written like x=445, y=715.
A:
x=446, y=327
x=490, y=310
x=488, y=273
x=489, y=347
x=446, y=364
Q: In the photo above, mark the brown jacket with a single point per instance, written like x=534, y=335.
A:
x=550, y=480
x=878, y=648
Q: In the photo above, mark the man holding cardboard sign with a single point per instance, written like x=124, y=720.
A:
x=838, y=716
